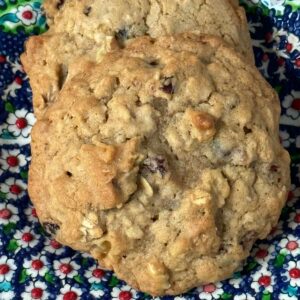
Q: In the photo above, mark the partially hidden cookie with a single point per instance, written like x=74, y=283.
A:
x=163, y=161
x=93, y=27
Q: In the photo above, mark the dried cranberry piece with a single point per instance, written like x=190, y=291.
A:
x=156, y=164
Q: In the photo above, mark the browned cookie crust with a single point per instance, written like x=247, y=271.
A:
x=163, y=161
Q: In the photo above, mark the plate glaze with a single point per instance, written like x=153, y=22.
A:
x=34, y=267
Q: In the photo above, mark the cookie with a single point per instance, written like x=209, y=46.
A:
x=162, y=161
x=92, y=28
x=126, y=19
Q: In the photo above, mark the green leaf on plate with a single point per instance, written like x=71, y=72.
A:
x=41, y=230
x=2, y=195
x=49, y=277
x=278, y=88
x=12, y=245
x=279, y=261
x=266, y=296
x=226, y=296
x=9, y=107
x=285, y=212
x=9, y=227
x=23, y=276
x=295, y=157
x=24, y=174
x=113, y=281
x=84, y=262
x=78, y=279
x=251, y=265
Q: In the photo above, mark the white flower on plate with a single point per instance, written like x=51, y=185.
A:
x=294, y=41
x=95, y=275
x=12, y=160
x=30, y=212
x=65, y=268
x=210, y=291
x=35, y=290
x=27, y=237
x=8, y=213
x=15, y=65
x=264, y=253
x=286, y=140
x=125, y=292
x=292, y=105
x=10, y=295
x=276, y=231
x=262, y=279
x=293, y=195
x=294, y=219
x=53, y=246
x=20, y=123
x=287, y=297
x=7, y=268
x=243, y=296
x=27, y=15
x=69, y=292
x=293, y=273
x=254, y=26
x=36, y=265
x=97, y=293
x=13, y=188
x=272, y=3
x=236, y=280
x=290, y=245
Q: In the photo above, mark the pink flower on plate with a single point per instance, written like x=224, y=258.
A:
x=293, y=273
x=262, y=279
x=8, y=213
x=12, y=160
x=210, y=291
x=290, y=245
x=27, y=237
x=36, y=290
x=68, y=292
x=20, y=123
x=27, y=15
x=36, y=265
x=13, y=188
x=53, y=246
x=30, y=212
x=7, y=268
x=65, y=268
x=94, y=274
x=122, y=293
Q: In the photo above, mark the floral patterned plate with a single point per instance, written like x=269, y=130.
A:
x=35, y=267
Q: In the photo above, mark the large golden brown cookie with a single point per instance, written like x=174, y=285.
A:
x=163, y=161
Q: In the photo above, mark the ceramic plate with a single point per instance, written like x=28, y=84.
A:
x=35, y=267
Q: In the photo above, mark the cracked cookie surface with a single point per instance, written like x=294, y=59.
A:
x=163, y=161
x=92, y=28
